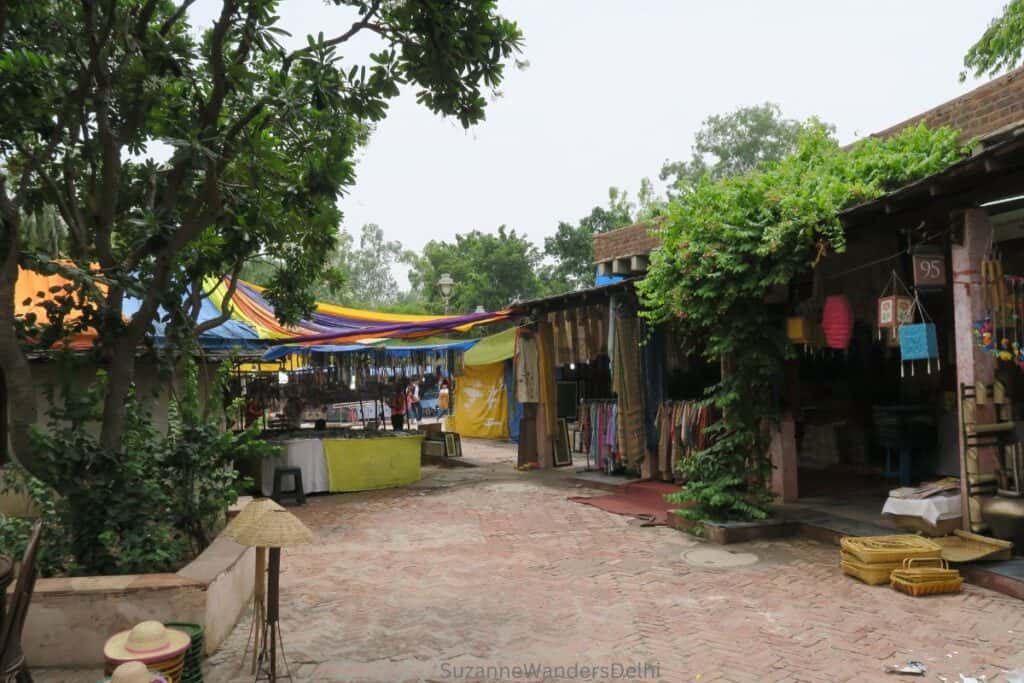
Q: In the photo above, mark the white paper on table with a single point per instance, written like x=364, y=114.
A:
x=932, y=510
x=308, y=456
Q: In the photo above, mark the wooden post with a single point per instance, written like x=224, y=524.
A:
x=273, y=594
x=259, y=604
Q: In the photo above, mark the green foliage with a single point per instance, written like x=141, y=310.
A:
x=489, y=270
x=734, y=143
x=54, y=556
x=724, y=245
x=150, y=505
x=1000, y=46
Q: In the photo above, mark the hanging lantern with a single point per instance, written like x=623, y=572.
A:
x=919, y=341
x=837, y=321
x=798, y=330
x=894, y=310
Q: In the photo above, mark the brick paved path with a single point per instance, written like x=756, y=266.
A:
x=492, y=567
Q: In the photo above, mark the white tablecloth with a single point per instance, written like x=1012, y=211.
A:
x=932, y=510
x=308, y=456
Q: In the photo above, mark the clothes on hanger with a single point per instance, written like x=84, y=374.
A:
x=682, y=427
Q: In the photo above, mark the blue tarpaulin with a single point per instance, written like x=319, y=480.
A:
x=231, y=334
x=404, y=349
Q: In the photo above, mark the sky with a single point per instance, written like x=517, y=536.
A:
x=616, y=87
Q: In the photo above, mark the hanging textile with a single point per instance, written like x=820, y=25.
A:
x=599, y=426
x=515, y=408
x=548, y=387
x=527, y=366
x=681, y=432
x=481, y=404
x=627, y=382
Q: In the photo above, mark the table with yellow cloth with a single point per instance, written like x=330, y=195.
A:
x=372, y=463
x=354, y=464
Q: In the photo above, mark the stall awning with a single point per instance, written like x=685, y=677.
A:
x=391, y=348
x=330, y=324
x=493, y=349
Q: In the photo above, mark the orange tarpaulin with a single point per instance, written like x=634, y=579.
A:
x=31, y=285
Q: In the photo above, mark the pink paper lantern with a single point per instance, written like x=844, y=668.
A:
x=837, y=321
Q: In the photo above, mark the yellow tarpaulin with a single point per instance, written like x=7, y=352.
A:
x=481, y=402
x=372, y=463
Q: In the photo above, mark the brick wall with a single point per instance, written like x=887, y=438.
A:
x=987, y=109
x=629, y=241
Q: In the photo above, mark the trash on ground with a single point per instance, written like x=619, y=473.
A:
x=911, y=668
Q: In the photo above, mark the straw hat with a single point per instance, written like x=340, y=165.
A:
x=147, y=642
x=272, y=529
x=248, y=517
x=135, y=672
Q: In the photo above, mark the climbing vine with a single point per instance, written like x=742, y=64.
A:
x=725, y=244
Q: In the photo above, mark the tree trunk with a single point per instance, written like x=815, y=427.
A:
x=15, y=371
x=120, y=375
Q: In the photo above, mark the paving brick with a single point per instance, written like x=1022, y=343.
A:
x=493, y=567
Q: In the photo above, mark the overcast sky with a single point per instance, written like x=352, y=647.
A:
x=615, y=87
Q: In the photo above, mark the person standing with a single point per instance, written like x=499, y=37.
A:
x=415, y=408
x=398, y=406
x=444, y=399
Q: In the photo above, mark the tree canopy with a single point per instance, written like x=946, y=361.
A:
x=571, y=248
x=734, y=143
x=489, y=270
x=999, y=48
x=261, y=139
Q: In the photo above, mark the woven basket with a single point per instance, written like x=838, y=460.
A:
x=873, y=574
x=875, y=549
x=917, y=580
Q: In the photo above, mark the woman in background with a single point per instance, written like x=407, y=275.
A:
x=398, y=405
x=443, y=398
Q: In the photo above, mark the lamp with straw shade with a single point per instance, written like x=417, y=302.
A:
x=268, y=525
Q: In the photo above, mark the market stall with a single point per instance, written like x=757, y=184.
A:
x=341, y=463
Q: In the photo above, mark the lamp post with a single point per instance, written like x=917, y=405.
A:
x=445, y=284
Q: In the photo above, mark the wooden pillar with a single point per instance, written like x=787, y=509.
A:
x=972, y=364
x=784, y=481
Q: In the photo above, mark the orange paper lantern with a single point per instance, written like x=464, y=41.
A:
x=837, y=321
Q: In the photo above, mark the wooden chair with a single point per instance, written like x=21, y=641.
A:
x=13, y=668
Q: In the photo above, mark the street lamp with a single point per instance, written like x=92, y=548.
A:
x=445, y=284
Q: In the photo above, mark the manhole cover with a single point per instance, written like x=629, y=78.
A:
x=717, y=558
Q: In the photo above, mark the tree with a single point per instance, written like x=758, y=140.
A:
x=262, y=139
x=733, y=144
x=489, y=270
x=571, y=248
x=1000, y=46
x=371, y=282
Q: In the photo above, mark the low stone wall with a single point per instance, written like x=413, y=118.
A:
x=70, y=619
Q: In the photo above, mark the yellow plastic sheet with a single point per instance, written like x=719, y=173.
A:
x=481, y=402
x=366, y=464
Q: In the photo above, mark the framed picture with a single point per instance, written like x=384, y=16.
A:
x=452, y=445
x=563, y=453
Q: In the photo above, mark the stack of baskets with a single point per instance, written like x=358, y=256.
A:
x=919, y=577
x=875, y=559
x=193, y=671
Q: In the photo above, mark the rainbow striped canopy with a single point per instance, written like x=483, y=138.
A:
x=332, y=324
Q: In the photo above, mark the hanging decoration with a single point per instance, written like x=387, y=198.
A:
x=837, y=321
x=919, y=341
x=895, y=308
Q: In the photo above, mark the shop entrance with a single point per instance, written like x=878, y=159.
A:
x=866, y=421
